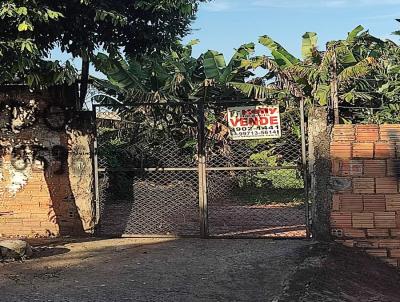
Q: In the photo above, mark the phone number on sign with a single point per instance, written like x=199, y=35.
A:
x=256, y=133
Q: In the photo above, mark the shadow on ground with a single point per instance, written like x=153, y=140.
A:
x=129, y=269
x=333, y=273
x=43, y=252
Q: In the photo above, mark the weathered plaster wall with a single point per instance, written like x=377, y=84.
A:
x=45, y=166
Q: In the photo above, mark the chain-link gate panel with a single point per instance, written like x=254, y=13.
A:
x=173, y=169
x=255, y=187
x=147, y=171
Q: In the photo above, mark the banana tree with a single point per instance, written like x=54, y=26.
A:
x=386, y=85
x=175, y=75
x=215, y=67
x=160, y=77
x=320, y=74
x=226, y=76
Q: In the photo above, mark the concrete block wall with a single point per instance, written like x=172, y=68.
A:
x=365, y=210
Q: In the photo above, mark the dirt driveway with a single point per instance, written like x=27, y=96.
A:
x=154, y=270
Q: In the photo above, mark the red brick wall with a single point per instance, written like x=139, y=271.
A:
x=55, y=196
x=365, y=180
x=41, y=208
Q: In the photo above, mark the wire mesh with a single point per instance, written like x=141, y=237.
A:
x=142, y=138
x=149, y=175
x=256, y=187
x=149, y=183
x=388, y=114
x=256, y=204
x=159, y=203
x=248, y=153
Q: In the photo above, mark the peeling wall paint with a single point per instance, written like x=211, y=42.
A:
x=45, y=167
x=20, y=171
x=18, y=180
x=27, y=139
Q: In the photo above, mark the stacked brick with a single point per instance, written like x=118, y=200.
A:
x=51, y=193
x=43, y=207
x=365, y=180
x=29, y=212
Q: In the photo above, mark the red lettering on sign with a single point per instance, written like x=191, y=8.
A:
x=235, y=122
x=263, y=121
x=274, y=120
x=253, y=121
x=273, y=110
x=256, y=117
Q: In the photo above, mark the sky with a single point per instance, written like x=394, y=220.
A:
x=226, y=24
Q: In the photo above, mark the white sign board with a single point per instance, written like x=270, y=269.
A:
x=254, y=122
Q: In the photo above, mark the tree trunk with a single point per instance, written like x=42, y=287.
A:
x=84, y=79
x=319, y=169
x=334, y=90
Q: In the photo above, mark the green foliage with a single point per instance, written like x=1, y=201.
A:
x=352, y=36
x=174, y=74
x=29, y=30
x=322, y=94
x=214, y=64
x=280, y=54
x=249, y=194
x=309, y=46
x=255, y=91
x=274, y=179
x=388, y=114
x=353, y=59
x=165, y=75
x=364, y=68
x=109, y=148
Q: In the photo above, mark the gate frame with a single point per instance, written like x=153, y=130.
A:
x=202, y=168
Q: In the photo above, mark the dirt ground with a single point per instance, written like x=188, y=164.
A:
x=198, y=270
x=155, y=270
x=277, y=220
x=333, y=273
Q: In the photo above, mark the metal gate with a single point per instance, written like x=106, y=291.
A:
x=172, y=170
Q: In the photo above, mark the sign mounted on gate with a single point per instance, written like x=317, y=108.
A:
x=254, y=122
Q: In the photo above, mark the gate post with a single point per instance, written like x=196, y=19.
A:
x=96, y=168
x=320, y=169
x=304, y=167
x=201, y=141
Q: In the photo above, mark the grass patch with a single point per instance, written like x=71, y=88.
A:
x=265, y=196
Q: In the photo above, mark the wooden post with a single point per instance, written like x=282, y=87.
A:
x=334, y=90
x=304, y=166
x=203, y=206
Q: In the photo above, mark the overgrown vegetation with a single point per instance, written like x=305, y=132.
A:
x=134, y=43
x=358, y=71
x=30, y=29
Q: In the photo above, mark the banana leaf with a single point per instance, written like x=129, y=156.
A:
x=281, y=55
x=310, y=40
